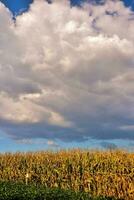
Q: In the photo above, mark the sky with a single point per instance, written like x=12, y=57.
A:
x=66, y=74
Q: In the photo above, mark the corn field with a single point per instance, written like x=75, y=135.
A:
x=108, y=173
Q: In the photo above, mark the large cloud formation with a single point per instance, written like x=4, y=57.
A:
x=67, y=72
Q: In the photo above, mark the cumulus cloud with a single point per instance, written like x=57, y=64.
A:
x=67, y=72
x=52, y=143
x=30, y=141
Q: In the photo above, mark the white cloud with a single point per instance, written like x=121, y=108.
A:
x=57, y=119
x=63, y=70
x=127, y=128
x=52, y=143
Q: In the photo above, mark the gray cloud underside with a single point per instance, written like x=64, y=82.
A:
x=67, y=73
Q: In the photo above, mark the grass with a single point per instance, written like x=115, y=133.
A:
x=19, y=191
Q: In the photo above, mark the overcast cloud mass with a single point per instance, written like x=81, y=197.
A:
x=67, y=72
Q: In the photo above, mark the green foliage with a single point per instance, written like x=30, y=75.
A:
x=19, y=191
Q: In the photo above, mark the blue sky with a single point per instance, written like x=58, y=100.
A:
x=18, y=5
x=66, y=75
